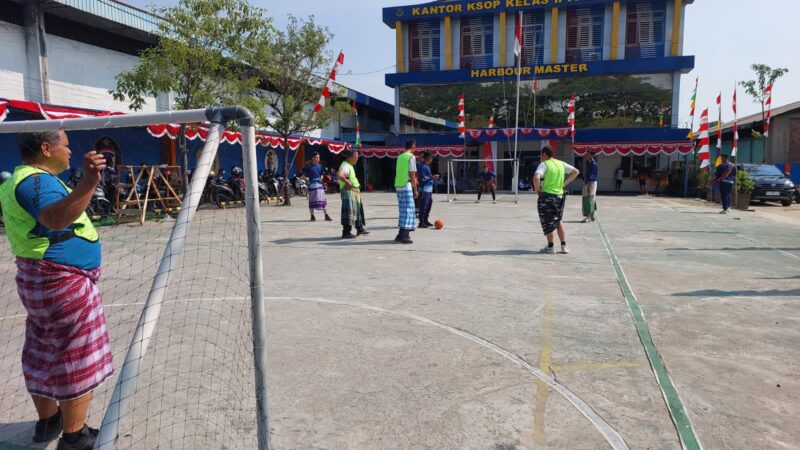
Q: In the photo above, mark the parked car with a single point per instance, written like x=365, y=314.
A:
x=770, y=184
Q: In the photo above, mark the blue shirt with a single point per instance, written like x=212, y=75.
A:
x=425, y=177
x=592, y=171
x=488, y=176
x=314, y=174
x=721, y=171
x=36, y=193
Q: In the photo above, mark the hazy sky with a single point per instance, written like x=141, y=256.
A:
x=726, y=36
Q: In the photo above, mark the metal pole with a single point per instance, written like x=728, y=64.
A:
x=256, y=284
x=94, y=123
x=172, y=258
x=515, y=175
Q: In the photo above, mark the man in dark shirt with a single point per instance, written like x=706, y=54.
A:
x=590, y=189
x=725, y=177
x=488, y=184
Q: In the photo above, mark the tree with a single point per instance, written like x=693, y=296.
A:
x=199, y=59
x=765, y=76
x=294, y=83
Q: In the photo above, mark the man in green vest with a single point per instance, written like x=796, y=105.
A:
x=405, y=184
x=550, y=179
x=350, y=188
x=67, y=353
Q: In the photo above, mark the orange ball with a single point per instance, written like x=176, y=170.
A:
x=439, y=224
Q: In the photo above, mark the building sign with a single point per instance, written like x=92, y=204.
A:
x=427, y=11
x=548, y=69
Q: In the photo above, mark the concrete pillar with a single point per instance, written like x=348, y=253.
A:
x=36, y=85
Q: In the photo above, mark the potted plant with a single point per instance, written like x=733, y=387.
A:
x=702, y=185
x=744, y=186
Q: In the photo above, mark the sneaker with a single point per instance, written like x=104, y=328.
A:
x=48, y=429
x=423, y=225
x=548, y=250
x=428, y=223
x=564, y=249
x=362, y=233
x=348, y=236
x=585, y=220
x=85, y=440
x=494, y=202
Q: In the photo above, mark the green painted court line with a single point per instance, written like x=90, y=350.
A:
x=677, y=411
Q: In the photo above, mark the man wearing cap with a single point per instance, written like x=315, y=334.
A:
x=550, y=179
x=405, y=184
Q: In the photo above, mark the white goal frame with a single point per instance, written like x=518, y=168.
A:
x=451, y=175
x=173, y=253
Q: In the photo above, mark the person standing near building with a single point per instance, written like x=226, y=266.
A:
x=67, y=353
x=316, y=190
x=590, y=189
x=642, y=176
x=488, y=184
x=550, y=179
x=725, y=177
x=350, y=188
x=618, y=175
x=426, y=178
x=405, y=184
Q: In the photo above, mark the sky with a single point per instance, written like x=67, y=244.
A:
x=725, y=36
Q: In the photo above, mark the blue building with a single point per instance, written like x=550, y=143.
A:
x=622, y=59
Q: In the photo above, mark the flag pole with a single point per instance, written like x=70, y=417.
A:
x=514, y=178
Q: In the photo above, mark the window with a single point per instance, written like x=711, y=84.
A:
x=585, y=34
x=424, y=48
x=532, y=38
x=644, y=30
x=476, y=42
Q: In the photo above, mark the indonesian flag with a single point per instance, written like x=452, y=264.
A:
x=3, y=110
x=692, y=105
x=461, y=128
x=326, y=91
x=518, y=36
x=768, y=106
x=718, y=161
x=735, y=127
x=491, y=121
x=704, y=141
x=535, y=84
x=571, y=117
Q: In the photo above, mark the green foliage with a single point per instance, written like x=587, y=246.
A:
x=702, y=178
x=743, y=181
x=765, y=76
x=199, y=56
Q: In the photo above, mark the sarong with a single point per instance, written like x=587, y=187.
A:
x=589, y=199
x=67, y=351
x=551, y=211
x=407, y=218
x=317, y=199
x=352, y=209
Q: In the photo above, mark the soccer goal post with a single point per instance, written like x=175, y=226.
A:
x=464, y=175
x=192, y=375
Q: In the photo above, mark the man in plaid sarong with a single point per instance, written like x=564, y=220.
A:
x=67, y=352
x=350, y=188
x=405, y=183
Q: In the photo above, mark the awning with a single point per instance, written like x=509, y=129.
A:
x=394, y=152
x=269, y=140
x=634, y=148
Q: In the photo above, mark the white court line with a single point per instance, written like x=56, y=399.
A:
x=610, y=434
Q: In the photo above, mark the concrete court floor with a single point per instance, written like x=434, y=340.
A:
x=378, y=345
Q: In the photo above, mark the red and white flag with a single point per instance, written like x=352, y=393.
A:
x=535, y=84
x=735, y=127
x=461, y=128
x=326, y=91
x=719, y=123
x=571, y=117
x=518, y=36
x=768, y=107
x=491, y=121
x=703, y=155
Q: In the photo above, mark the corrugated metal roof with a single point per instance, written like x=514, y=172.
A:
x=756, y=118
x=117, y=12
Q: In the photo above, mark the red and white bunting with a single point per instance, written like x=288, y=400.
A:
x=634, y=148
x=474, y=133
x=768, y=107
x=509, y=132
x=703, y=155
x=735, y=127
x=492, y=132
x=571, y=117
x=3, y=110
x=543, y=132
x=461, y=117
x=326, y=91
x=394, y=152
x=526, y=131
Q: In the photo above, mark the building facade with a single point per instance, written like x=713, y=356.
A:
x=621, y=59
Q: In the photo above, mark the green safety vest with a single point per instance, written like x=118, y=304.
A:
x=20, y=223
x=554, y=177
x=401, y=173
x=353, y=179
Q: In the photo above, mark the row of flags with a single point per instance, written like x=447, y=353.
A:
x=704, y=141
x=462, y=127
x=326, y=95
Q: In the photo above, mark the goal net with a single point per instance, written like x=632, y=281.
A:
x=181, y=293
x=469, y=178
